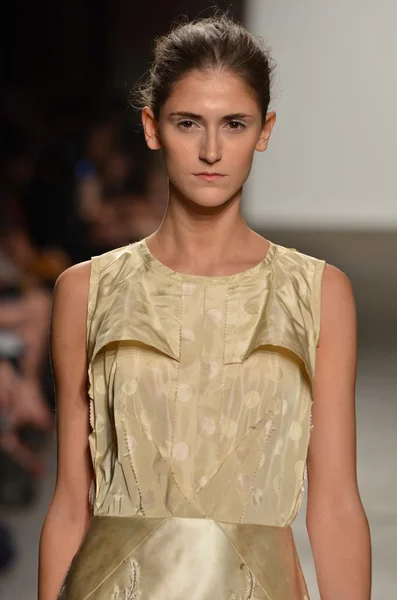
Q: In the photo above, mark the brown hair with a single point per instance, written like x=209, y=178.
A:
x=211, y=43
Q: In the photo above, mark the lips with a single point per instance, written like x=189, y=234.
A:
x=209, y=176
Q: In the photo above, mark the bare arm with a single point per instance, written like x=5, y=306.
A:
x=336, y=521
x=69, y=513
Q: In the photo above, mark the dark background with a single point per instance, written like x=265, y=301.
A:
x=66, y=66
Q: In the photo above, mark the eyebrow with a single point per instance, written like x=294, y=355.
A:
x=189, y=115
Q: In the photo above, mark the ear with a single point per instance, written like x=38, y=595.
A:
x=150, y=128
x=266, y=131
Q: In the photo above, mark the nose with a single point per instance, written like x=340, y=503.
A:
x=210, y=149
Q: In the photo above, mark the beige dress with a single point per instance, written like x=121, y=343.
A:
x=201, y=395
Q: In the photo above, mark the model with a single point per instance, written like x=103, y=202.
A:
x=213, y=369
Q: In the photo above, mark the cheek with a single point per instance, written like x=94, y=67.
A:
x=240, y=153
x=177, y=156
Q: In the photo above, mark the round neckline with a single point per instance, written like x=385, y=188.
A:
x=160, y=267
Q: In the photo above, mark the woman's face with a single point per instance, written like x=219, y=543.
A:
x=208, y=130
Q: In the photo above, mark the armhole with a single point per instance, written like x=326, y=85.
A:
x=316, y=298
x=92, y=299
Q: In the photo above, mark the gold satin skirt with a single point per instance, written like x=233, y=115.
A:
x=150, y=558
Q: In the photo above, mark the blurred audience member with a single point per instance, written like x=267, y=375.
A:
x=25, y=411
x=114, y=202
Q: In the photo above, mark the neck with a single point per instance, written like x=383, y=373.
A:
x=200, y=232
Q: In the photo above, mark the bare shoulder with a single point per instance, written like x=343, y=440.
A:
x=70, y=298
x=336, y=280
x=338, y=311
x=76, y=276
x=337, y=287
x=72, y=284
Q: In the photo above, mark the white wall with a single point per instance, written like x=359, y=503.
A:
x=332, y=160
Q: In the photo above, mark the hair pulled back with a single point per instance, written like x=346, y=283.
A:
x=217, y=43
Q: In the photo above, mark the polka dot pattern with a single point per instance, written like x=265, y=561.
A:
x=279, y=445
x=252, y=308
x=188, y=335
x=243, y=482
x=242, y=452
x=129, y=387
x=207, y=426
x=211, y=368
x=201, y=390
x=165, y=448
x=170, y=389
x=160, y=466
x=202, y=482
x=229, y=428
x=299, y=468
x=180, y=451
x=295, y=431
x=257, y=496
x=214, y=315
x=277, y=373
x=99, y=424
x=188, y=289
x=100, y=385
x=184, y=392
x=132, y=443
x=252, y=399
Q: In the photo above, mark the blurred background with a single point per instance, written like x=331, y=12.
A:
x=76, y=180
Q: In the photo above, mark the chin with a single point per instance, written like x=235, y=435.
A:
x=208, y=201
x=210, y=198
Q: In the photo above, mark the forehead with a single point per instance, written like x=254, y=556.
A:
x=215, y=91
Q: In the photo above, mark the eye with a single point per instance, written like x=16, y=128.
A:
x=236, y=125
x=186, y=124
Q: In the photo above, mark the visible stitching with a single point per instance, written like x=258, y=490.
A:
x=141, y=510
x=170, y=473
x=93, y=440
x=241, y=558
x=271, y=430
x=251, y=583
x=193, y=473
x=124, y=559
x=223, y=371
x=92, y=300
x=242, y=441
x=132, y=593
x=189, y=500
x=177, y=381
x=180, y=323
x=299, y=496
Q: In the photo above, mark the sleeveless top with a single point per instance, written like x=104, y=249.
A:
x=201, y=391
